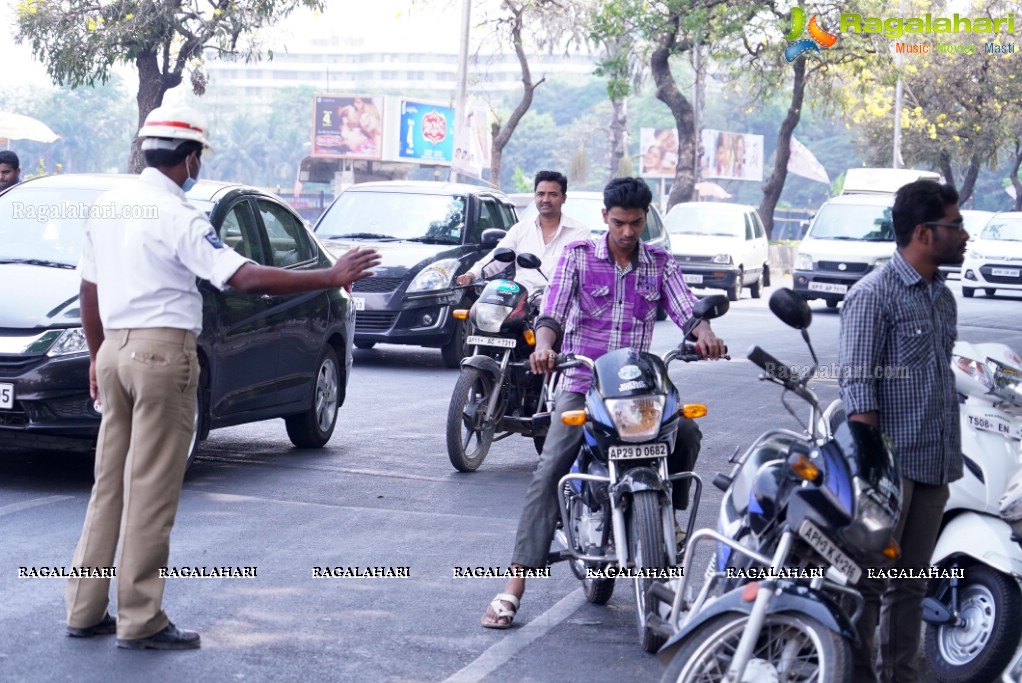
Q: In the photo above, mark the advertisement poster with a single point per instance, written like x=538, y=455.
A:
x=427, y=132
x=473, y=143
x=659, y=147
x=731, y=156
x=347, y=126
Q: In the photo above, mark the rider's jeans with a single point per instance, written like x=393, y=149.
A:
x=541, y=511
x=897, y=603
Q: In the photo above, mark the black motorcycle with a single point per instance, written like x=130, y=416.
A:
x=617, y=515
x=496, y=394
x=802, y=514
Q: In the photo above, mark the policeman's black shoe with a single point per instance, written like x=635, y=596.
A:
x=106, y=626
x=170, y=638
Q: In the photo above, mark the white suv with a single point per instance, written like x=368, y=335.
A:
x=721, y=246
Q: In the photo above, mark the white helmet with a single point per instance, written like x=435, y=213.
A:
x=168, y=126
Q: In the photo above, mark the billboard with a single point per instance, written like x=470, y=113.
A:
x=427, y=132
x=347, y=126
x=473, y=143
x=731, y=156
x=659, y=152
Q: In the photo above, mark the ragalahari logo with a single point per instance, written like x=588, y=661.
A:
x=797, y=45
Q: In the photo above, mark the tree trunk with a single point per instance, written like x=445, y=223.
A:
x=668, y=93
x=969, y=182
x=1015, y=182
x=946, y=169
x=618, y=135
x=151, y=88
x=502, y=135
x=774, y=185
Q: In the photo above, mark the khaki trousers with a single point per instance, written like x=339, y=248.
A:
x=147, y=383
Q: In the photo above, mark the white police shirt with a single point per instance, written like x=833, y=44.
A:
x=144, y=248
x=526, y=237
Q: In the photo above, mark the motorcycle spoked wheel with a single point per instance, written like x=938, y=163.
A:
x=646, y=549
x=991, y=605
x=791, y=647
x=468, y=439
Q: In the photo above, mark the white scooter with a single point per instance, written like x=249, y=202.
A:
x=974, y=623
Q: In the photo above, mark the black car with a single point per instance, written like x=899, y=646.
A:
x=261, y=356
x=428, y=233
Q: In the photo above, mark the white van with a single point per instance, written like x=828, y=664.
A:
x=851, y=234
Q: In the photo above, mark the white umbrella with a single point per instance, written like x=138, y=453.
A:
x=706, y=189
x=18, y=127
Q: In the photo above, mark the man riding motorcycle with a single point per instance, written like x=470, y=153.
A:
x=604, y=295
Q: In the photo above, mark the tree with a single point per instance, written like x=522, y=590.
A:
x=80, y=40
x=551, y=24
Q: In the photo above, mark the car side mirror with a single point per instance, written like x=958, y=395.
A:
x=528, y=261
x=490, y=238
x=504, y=255
x=791, y=308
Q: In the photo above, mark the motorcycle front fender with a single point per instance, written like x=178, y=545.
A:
x=638, y=479
x=985, y=538
x=788, y=597
x=484, y=364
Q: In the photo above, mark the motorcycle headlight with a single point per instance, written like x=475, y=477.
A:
x=873, y=524
x=489, y=317
x=804, y=262
x=722, y=258
x=70, y=341
x=636, y=418
x=437, y=275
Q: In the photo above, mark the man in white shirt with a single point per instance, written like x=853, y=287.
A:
x=544, y=237
x=141, y=312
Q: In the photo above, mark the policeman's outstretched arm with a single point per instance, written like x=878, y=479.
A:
x=354, y=265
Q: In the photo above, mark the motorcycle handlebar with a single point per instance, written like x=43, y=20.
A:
x=765, y=361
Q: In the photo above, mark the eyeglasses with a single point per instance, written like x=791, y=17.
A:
x=960, y=227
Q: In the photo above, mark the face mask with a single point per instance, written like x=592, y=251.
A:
x=189, y=182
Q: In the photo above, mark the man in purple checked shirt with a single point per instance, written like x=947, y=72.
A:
x=604, y=296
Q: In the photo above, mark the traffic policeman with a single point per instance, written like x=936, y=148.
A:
x=141, y=313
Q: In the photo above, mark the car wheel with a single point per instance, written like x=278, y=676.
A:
x=197, y=423
x=756, y=290
x=734, y=292
x=967, y=292
x=989, y=291
x=366, y=345
x=457, y=348
x=766, y=275
x=314, y=427
x=831, y=303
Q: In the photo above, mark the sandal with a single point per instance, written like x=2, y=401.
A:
x=502, y=612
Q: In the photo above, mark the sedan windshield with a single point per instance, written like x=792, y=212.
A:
x=395, y=216
x=44, y=225
x=1005, y=228
x=705, y=220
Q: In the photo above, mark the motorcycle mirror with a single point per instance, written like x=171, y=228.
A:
x=710, y=307
x=528, y=261
x=504, y=255
x=791, y=308
x=490, y=237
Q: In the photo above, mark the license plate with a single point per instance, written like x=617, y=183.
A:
x=997, y=424
x=6, y=396
x=502, y=342
x=834, y=556
x=693, y=279
x=360, y=303
x=828, y=287
x=639, y=450
x=1004, y=272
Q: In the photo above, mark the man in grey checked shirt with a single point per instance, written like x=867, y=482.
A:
x=898, y=326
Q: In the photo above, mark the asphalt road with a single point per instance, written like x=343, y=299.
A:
x=382, y=494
